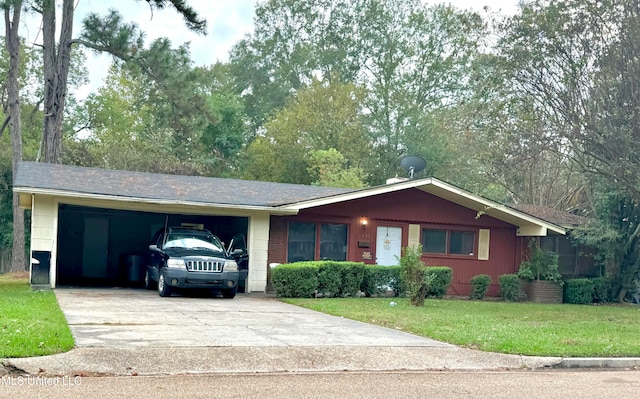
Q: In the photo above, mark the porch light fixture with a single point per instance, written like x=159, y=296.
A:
x=364, y=222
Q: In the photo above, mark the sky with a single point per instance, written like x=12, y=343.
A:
x=228, y=21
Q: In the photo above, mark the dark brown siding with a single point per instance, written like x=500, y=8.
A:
x=412, y=207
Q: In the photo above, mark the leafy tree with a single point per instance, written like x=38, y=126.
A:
x=12, y=42
x=224, y=137
x=293, y=41
x=615, y=234
x=417, y=65
x=328, y=168
x=413, y=60
x=576, y=65
x=325, y=116
x=119, y=39
x=164, y=116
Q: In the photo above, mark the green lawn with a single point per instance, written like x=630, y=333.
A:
x=31, y=322
x=517, y=328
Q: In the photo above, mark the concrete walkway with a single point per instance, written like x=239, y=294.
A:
x=135, y=332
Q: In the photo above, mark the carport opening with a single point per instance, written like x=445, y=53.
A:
x=108, y=247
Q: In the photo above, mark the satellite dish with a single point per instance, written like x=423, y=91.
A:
x=413, y=164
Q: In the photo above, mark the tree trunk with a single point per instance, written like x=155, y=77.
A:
x=621, y=294
x=18, y=262
x=56, y=70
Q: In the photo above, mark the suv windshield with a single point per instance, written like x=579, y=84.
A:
x=193, y=241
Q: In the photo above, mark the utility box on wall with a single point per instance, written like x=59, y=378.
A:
x=40, y=268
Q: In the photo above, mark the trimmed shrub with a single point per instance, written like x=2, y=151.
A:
x=440, y=278
x=295, y=280
x=396, y=280
x=414, y=275
x=601, y=290
x=352, y=276
x=480, y=284
x=329, y=278
x=337, y=279
x=578, y=291
x=377, y=279
x=509, y=287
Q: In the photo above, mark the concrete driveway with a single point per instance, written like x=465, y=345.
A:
x=136, y=318
x=135, y=332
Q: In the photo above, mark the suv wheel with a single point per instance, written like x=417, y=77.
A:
x=163, y=288
x=230, y=293
x=148, y=282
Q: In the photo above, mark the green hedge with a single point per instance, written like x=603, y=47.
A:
x=480, y=284
x=587, y=290
x=509, y=287
x=578, y=291
x=442, y=277
x=295, y=280
x=601, y=290
x=328, y=278
x=377, y=279
x=336, y=279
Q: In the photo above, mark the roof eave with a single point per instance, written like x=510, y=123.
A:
x=527, y=225
x=62, y=194
x=353, y=195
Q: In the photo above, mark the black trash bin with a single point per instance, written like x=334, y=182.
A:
x=134, y=269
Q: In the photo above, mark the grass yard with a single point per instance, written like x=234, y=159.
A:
x=516, y=328
x=31, y=322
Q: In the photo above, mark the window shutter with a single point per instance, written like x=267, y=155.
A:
x=483, y=244
x=414, y=235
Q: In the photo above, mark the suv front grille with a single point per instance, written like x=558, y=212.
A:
x=203, y=266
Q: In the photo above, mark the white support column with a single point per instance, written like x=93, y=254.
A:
x=258, y=251
x=44, y=229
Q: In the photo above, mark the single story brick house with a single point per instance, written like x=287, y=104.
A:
x=88, y=224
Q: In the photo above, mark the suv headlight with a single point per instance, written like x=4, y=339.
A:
x=230, y=266
x=175, y=263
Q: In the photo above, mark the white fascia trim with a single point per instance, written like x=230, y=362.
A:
x=78, y=195
x=494, y=206
x=364, y=193
x=490, y=207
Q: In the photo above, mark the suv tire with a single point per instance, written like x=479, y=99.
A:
x=163, y=287
x=230, y=292
x=148, y=282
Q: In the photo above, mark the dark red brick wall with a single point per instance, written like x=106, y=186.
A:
x=543, y=291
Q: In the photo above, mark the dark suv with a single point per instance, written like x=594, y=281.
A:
x=186, y=258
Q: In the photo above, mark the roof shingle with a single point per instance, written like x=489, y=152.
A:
x=551, y=215
x=154, y=186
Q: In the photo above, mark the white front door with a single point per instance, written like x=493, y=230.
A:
x=388, y=245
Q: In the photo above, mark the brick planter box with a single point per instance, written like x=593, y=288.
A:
x=540, y=291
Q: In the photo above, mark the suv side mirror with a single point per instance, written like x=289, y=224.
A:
x=153, y=247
